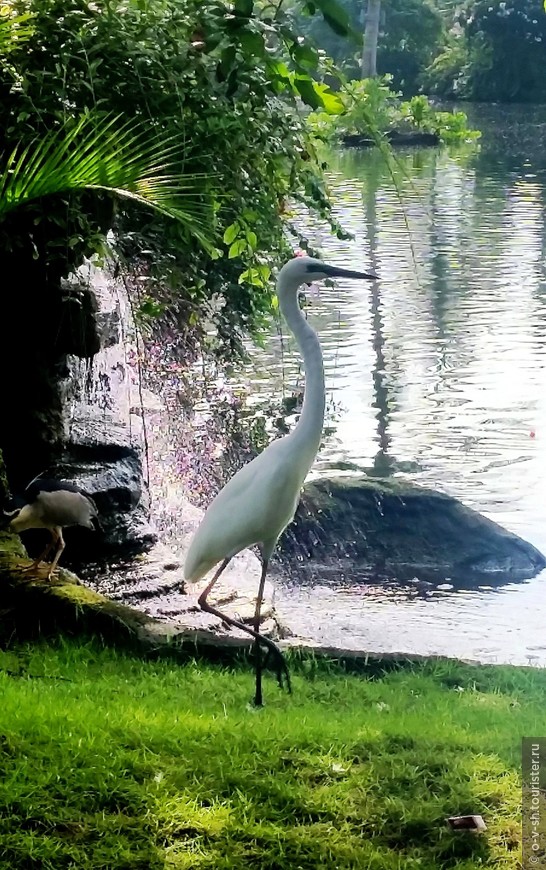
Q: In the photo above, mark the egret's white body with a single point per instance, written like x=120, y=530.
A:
x=260, y=500
x=242, y=515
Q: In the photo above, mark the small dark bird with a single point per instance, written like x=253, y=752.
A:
x=52, y=505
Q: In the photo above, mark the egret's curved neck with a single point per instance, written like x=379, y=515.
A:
x=309, y=429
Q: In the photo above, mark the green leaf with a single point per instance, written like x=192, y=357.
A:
x=332, y=103
x=252, y=43
x=318, y=96
x=257, y=276
x=280, y=75
x=333, y=22
x=227, y=63
x=232, y=82
x=337, y=18
x=14, y=29
x=231, y=233
x=252, y=239
x=306, y=89
x=246, y=277
x=237, y=248
x=150, y=308
x=305, y=55
x=279, y=70
x=264, y=272
x=244, y=7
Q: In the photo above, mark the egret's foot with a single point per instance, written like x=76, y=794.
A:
x=279, y=666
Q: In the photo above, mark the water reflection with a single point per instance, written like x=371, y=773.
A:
x=440, y=372
x=382, y=463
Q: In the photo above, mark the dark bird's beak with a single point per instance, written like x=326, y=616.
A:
x=336, y=272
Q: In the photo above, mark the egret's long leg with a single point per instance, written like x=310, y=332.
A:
x=202, y=600
x=282, y=669
x=258, y=700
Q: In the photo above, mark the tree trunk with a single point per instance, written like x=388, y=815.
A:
x=371, y=35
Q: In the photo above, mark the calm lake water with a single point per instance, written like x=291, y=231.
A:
x=440, y=370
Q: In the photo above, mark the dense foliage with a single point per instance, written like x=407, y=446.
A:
x=412, y=34
x=497, y=52
x=372, y=108
x=226, y=82
x=487, y=50
x=507, y=39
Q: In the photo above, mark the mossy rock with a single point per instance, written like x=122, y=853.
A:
x=394, y=529
x=32, y=606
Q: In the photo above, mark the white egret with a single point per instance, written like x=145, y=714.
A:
x=260, y=500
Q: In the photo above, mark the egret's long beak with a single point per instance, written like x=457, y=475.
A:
x=336, y=272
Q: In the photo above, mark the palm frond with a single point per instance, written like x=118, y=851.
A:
x=109, y=154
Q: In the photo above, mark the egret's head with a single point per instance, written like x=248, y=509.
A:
x=307, y=270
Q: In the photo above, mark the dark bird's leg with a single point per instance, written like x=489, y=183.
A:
x=60, y=547
x=282, y=669
x=36, y=564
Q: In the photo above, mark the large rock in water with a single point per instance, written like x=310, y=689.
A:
x=395, y=529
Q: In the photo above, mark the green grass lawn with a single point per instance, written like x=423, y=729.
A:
x=109, y=761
